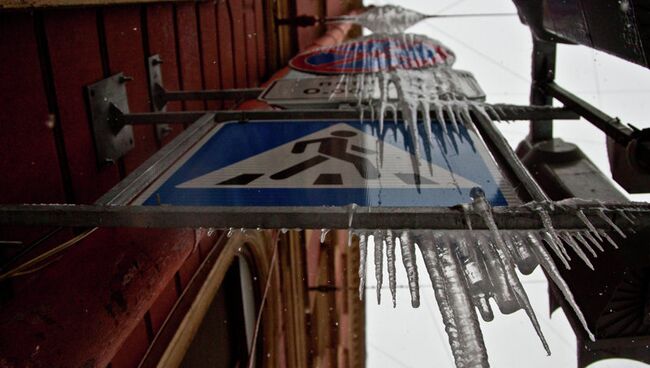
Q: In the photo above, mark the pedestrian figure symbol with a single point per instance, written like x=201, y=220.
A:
x=333, y=147
x=336, y=157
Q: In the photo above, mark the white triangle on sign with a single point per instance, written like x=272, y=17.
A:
x=339, y=156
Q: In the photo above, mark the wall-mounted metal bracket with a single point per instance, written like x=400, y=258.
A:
x=157, y=92
x=105, y=98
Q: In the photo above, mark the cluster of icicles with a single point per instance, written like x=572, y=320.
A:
x=428, y=88
x=428, y=85
x=385, y=19
x=469, y=267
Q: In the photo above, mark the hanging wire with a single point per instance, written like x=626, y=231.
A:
x=32, y=265
x=251, y=354
x=348, y=18
x=28, y=249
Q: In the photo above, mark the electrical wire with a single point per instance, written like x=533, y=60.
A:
x=272, y=263
x=346, y=18
x=32, y=265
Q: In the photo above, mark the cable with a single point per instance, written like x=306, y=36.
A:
x=251, y=355
x=26, y=267
x=471, y=15
x=30, y=248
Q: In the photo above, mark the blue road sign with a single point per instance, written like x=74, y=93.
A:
x=329, y=163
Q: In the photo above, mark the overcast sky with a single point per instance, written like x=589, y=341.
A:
x=497, y=51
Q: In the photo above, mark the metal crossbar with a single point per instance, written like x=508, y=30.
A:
x=506, y=112
x=453, y=218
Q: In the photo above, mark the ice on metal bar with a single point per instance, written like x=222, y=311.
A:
x=409, y=259
x=323, y=235
x=363, y=252
x=459, y=316
x=378, y=237
x=390, y=260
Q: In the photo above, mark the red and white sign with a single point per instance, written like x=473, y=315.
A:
x=374, y=55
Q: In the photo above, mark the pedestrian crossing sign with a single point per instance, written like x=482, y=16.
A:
x=329, y=163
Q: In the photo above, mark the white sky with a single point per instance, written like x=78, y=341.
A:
x=497, y=51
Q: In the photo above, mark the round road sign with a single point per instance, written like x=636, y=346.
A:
x=372, y=55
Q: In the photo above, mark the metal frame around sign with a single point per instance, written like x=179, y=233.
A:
x=121, y=197
x=187, y=153
x=115, y=207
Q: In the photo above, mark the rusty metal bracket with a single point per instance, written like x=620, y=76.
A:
x=107, y=98
x=156, y=91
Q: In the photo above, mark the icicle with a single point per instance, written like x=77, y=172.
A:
x=478, y=281
x=527, y=262
x=363, y=252
x=506, y=300
x=549, y=266
x=609, y=239
x=379, y=261
x=466, y=210
x=505, y=268
x=558, y=248
x=625, y=216
x=516, y=287
x=576, y=248
x=459, y=115
x=506, y=280
x=231, y=231
x=552, y=238
x=479, y=109
x=427, y=121
x=412, y=122
x=408, y=258
x=390, y=260
x=464, y=111
x=495, y=115
x=429, y=255
x=323, y=235
x=497, y=266
x=351, y=208
x=440, y=117
x=459, y=317
x=548, y=225
x=584, y=242
x=585, y=220
x=452, y=117
x=383, y=98
x=630, y=212
x=510, y=247
x=591, y=238
x=481, y=206
x=384, y=19
x=611, y=223
x=284, y=230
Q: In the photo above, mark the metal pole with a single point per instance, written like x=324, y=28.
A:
x=506, y=218
x=215, y=94
x=543, y=72
x=507, y=112
x=613, y=127
x=501, y=145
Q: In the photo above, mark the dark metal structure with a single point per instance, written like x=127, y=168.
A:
x=621, y=28
x=615, y=300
